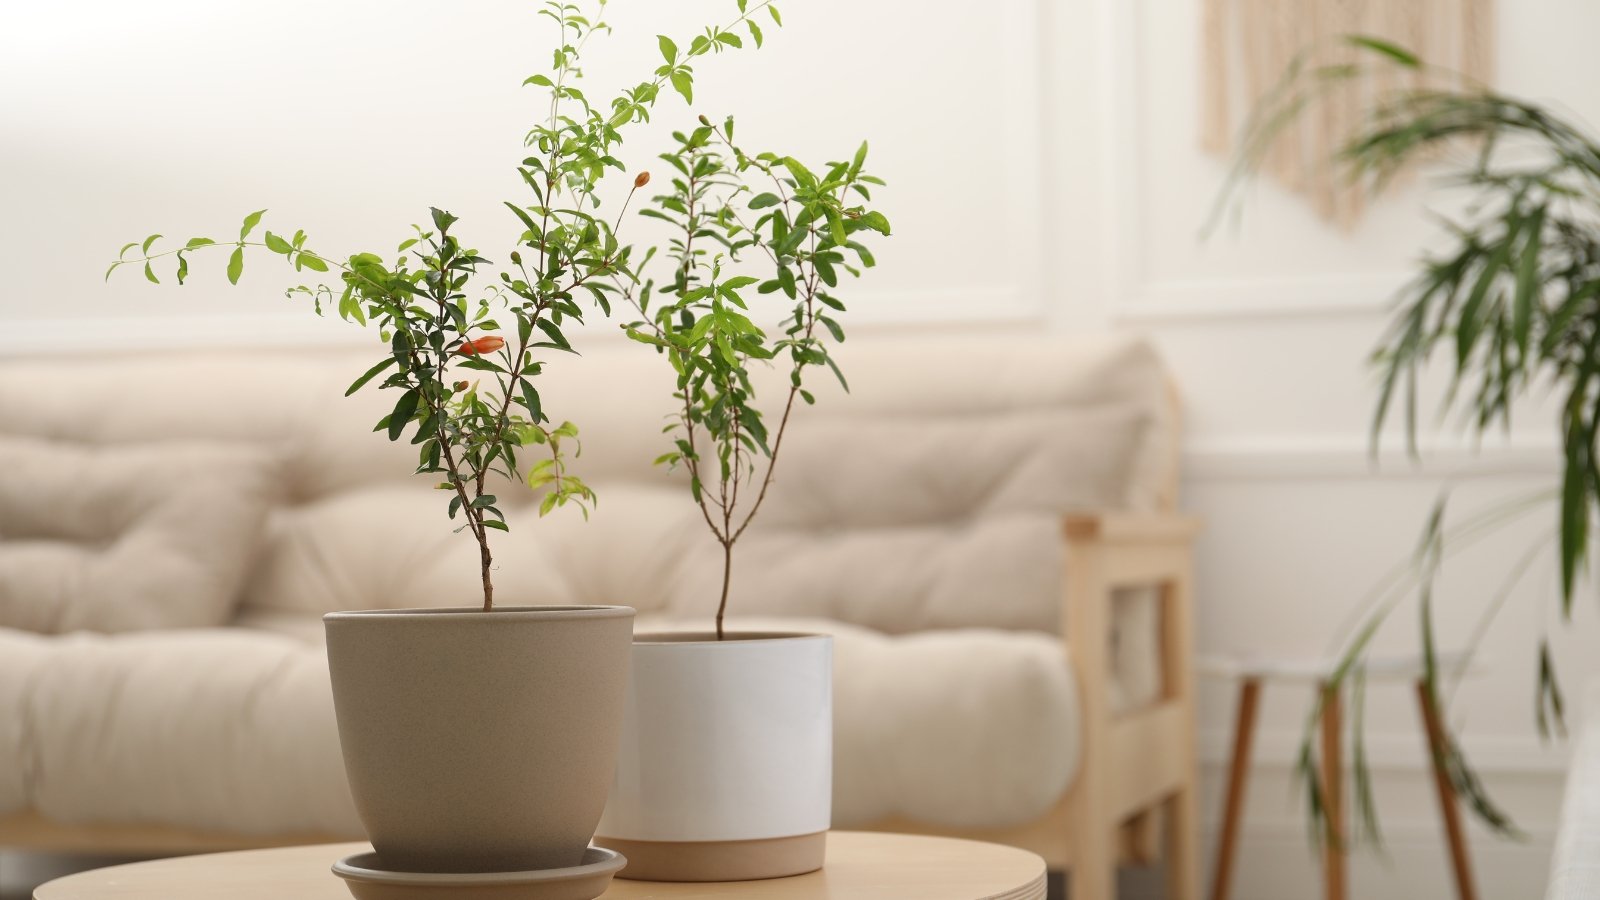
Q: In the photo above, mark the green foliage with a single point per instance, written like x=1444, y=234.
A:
x=801, y=233
x=436, y=316
x=1511, y=305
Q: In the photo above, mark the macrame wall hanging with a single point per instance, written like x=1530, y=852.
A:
x=1248, y=45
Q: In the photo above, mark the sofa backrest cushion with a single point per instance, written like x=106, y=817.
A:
x=129, y=536
x=943, y=471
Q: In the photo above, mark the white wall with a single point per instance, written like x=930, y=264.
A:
x=1043, y=168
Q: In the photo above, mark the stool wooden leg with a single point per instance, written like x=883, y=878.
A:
x=1333, y=853
x=1433, y=727
x=1238, y=775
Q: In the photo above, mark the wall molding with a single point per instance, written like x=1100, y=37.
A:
x=1225, y=301
x=870, y=311
x=1289, y=458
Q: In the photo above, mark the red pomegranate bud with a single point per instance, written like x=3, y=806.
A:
x=489, y=343
x=641, y=181
x=462, y=385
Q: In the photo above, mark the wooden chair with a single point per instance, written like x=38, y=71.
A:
x=1139, y=768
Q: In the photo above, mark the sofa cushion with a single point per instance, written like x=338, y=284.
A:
x=392, y=547
x=910, y=471
x=232, y=729
x=126, y=537
x=225, y=729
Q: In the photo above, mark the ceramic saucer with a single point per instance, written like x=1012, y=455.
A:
x=367, y=879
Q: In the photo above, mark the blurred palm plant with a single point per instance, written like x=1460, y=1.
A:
x=1511, y=303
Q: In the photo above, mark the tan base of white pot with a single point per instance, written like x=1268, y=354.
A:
x=719, y=860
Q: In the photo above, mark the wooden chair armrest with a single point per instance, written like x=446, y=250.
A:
x=1133, y=760
x=1131, y=527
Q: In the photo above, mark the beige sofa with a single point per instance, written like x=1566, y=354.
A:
x=172, y=525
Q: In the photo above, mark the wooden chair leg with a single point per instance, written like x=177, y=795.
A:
x=1093, y=873
x=1238, y=777
x=1183, y=854
x=1433, y=728
x=1333, y=854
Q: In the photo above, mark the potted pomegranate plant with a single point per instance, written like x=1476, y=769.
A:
x=726, y=769
x=481, y=741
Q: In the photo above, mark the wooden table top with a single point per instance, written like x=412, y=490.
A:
x=861, y=866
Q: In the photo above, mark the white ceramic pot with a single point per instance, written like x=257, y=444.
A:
x=726, y=766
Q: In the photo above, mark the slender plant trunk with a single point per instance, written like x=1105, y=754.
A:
x=727, y=576
x=486, y=562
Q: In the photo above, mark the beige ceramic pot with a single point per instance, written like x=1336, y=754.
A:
x=480, y=742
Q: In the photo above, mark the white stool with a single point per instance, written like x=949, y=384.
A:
x=1251, y=672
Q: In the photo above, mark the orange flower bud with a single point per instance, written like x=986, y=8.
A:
x=641, y=181
x=462, y=385
x=489, y=343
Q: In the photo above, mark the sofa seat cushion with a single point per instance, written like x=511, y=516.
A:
x=222, y=729
x=127, y=537
x=232, y=729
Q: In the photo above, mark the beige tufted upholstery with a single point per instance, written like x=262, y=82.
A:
x=917, y=518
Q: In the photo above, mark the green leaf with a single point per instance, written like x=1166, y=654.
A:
x=278, y=245
x=836, y=228
x=876, y=221
x=311, y=262
x=235, y=265
x=183, y=267
x=530, y=396
x=1574, y=519
x=540, y=80
x=669, y=50
x=350, y=309
x=683, y=83
x=441, y=219
x=764, y=200
x=552, y=331
x=1394, y=51
x=404, y=409
x=825, y=269
x=496, y=525
x=836, y=373
x=1470, y=321
x=867, y=259
x=145, y=249
x=1527, y=282
x=250, y=223
x=198, y=242
x=523, y=215
x=800, y=172
x=369, y=375
x=775, y=17
x=150, y=275
x=730, y=39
